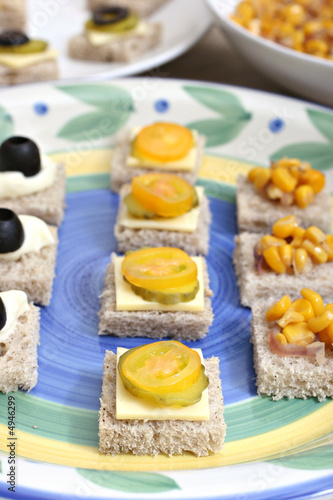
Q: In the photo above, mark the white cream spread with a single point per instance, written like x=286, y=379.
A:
x=14, y=184
x=37, y=235
x=98, y=38
x=16, y=304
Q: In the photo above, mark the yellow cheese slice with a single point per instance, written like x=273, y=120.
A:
x=97, y=38
x=127, y=300
x=186, y=223
x=186, y=164
x=18, y=61
x=130, y=407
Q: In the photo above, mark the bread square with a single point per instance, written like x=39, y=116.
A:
x=123, y=49
x=151, y=437
x=37, y=72
x=13, y=15
x=121, y=174
x=178, y=325
x=18, y=354
x=253, y=286
x=140, y=7
x=48, y=204
x=282, y=376
x=33, y=273
x=257, y=214
x=193, y=243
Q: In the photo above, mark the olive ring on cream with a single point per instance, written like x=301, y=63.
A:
x=109, y=15
x=13, y=38
x=11, y=231
x=3, y=314
x=20, y=154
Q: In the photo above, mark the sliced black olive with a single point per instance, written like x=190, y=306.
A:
x=3, y=314
x=20, y=154
x=109, y=15
x=13, y=38
x=11, y=231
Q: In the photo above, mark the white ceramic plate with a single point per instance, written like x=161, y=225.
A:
x=183, y=21
x=304, y=74
x=274, y=449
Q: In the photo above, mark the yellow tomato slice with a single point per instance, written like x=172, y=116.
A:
x=162, y=367
x=165, y=194
x=163, y=142
x=159, y=268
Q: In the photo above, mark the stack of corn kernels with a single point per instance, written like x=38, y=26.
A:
x=303, y=25
x=289, y=181
x=294, y=250
x=300, y=321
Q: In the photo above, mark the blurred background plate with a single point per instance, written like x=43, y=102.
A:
x=304, y=74
x=184, y=22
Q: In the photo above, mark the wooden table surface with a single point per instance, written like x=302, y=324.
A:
x=213, y=59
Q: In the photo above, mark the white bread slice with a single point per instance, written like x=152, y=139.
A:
x=291, y=377
x=39, y=72
x=257, y=214
x=253, y=286
x=121, y=174
x=124, y=49
x=12, y=15
x=193, y=243
x=33, y=273
x=48, y=204
x=18, y=354
x=179, y=325
x=140, y=7
x=151, y=437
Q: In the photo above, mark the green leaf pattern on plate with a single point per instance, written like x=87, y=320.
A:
x=319, y=154
x=134, y=482
x=113, y=108
x=6, y=124
x=318, y=459
x=233, y=117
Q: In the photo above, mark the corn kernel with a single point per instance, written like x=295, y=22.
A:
x=312, y=27
x=288, y=162
x=271, y=241
x=286, y=253
x=298, y=334
x=295, y=14
x=283, y=179
x=285, y=226
x=304, y=307
x=290, y=317
x=254, y=172
x=329, y=307
x=315, y=235
x=329, y=242
x=324, y=335
x=315, y=299
x=273, y=192
x=281, y=338
x=245, y=11
x=273, y=260
x=276, y=310
x=313, y=178
x=321, y=322
x=317, y=47
x=304, y=195
x=315, y=251
x=298, y=235
x=301, y=259
x=261, y=179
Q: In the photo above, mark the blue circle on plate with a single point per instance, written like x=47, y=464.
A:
x=162, y=105
x=276, y=125
x=41, y=108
